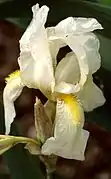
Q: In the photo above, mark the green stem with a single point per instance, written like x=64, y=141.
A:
x=49, y=170
x=49, y=175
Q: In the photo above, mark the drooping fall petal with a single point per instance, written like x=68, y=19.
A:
x=11, y=92
x=91, y=96
x=69, y=139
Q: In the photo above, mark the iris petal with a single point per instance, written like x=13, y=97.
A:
x=77, y=26
x=35, y=59
x=68, y=69
x=69, y=139
x=91, y=96
x=91, y=45
x=76, y=33
x=11, y=92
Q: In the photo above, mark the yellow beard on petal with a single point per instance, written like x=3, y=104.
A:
x=13, y=75
x=74, y=107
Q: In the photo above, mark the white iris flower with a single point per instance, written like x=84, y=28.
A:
x=69, y=83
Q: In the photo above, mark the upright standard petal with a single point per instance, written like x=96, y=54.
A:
x=39, y=14
x=91, y=45
x=55, y=44
x=68, y=70
x=86, y=48
x=62, y=33
x=11, y=92
x=91, y=96
x=71, y=31
x=77, y=26
x=35, y=60
x=81, y=56
x=69, y=139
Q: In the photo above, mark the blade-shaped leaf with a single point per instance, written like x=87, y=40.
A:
x=21, y=163
x=105, y=51
x=106, y=2
x=7, y=142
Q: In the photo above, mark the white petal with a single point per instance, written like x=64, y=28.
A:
x=91, y=46
x=11, y=92
x=81, y=56
x=76, y=26
x=38, y=20
x=67, y=88
x=86, y=48
x=69, y=31
x=69, y=139
x=55, y=44
x=36, y=74
x=91, y=96
x=35, y=61
x=68, y=69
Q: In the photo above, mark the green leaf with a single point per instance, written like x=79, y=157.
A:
x=7, y=142
x=106, y=2
x=105, y=51
x=4, y=1
x=21, y=163
x=20, y=22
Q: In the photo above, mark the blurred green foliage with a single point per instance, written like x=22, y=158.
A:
x=106, y=2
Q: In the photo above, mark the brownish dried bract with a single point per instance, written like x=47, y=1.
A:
x=43, y=124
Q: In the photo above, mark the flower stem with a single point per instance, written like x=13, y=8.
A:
x=50, y=167
x=49, y=175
